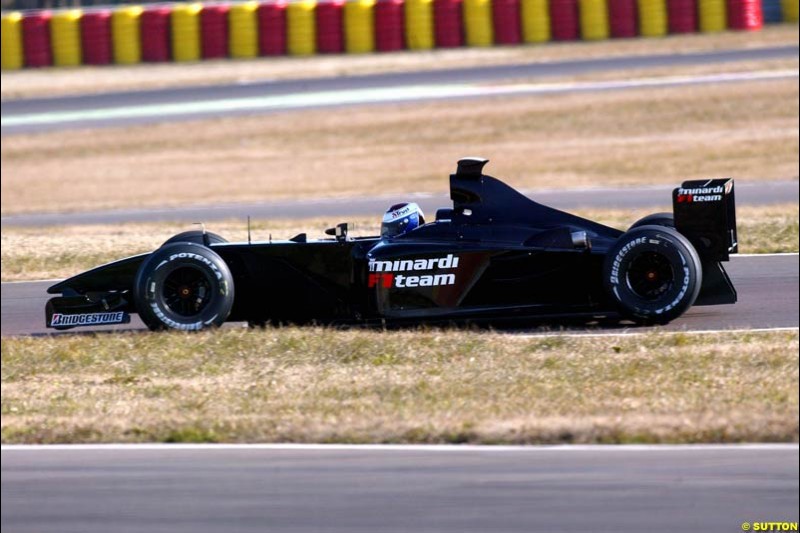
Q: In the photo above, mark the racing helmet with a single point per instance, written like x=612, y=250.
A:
x=401, y=218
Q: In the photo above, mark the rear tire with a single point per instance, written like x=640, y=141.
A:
x=655, y=219
x=183, y=286
x=653, y=274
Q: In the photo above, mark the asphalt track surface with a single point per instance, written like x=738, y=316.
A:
x=767, y=287
x=747, y=193
x=598, y=489
x=105, y=109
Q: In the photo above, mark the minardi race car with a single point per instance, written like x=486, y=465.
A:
x=494, y=255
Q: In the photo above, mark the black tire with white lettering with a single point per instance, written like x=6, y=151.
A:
x=197, y=237
x=655, y=219
x=653, y=274
x=183, y=286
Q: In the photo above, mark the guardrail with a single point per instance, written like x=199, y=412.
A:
x=187, y=32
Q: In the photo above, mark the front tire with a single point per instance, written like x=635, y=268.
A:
x=653, y=274
x=205, y=238
x=184, y=286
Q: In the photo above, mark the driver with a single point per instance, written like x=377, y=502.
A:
x=401, y=218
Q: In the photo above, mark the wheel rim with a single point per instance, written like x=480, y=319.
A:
x=650, y=275
x=186, y=291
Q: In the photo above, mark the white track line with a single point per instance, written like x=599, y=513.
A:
x=400, y=447
x=378, y=95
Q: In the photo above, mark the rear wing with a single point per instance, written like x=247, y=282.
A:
x=705, y=212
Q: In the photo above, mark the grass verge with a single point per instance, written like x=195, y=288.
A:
x=57, y=252
x=746, y=130
x=319, y=385
x=64, y=81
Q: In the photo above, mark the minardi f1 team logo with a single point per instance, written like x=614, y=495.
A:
x=385, y=273
x=86, y=319
x=703, y=194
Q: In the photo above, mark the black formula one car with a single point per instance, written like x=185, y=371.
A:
x=494, y=255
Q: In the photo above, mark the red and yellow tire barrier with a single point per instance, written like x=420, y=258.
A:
x=564, y=20
x=193, y=31
x=594, y=19
x=125, y=37
x=214, y=32
x=389, y=27
x=419, y=24
x=506, y=21
x=622, y=18
x=653, y=18
x=790, y=9
x=328, y=17
x=682, y=15
x=448, y=23
x=96, y=37
x=535, y=20
x=185, y=32
x=478, y=29
x=65, y=38
x=36, y=49
x=272, y=28
x=243, y=30
x=745, y=15
x=301, y=35
x=712, y=16
x=12, y=58
x=359, y=26
x=154, y=28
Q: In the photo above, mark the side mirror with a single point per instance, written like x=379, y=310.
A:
x=340, y=231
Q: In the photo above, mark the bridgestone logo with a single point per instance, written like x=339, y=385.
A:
x=621, y=254
x=87, y=319
x=191, y=326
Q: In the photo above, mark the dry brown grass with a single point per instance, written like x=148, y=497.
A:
x=316, y=385
x=50, y=82
x=58, y=252
x=746, y=130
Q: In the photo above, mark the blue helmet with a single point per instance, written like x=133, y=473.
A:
x=401, y=218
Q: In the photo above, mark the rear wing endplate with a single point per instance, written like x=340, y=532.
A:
x=705, y=212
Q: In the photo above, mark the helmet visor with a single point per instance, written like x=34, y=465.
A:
x=399, y=226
